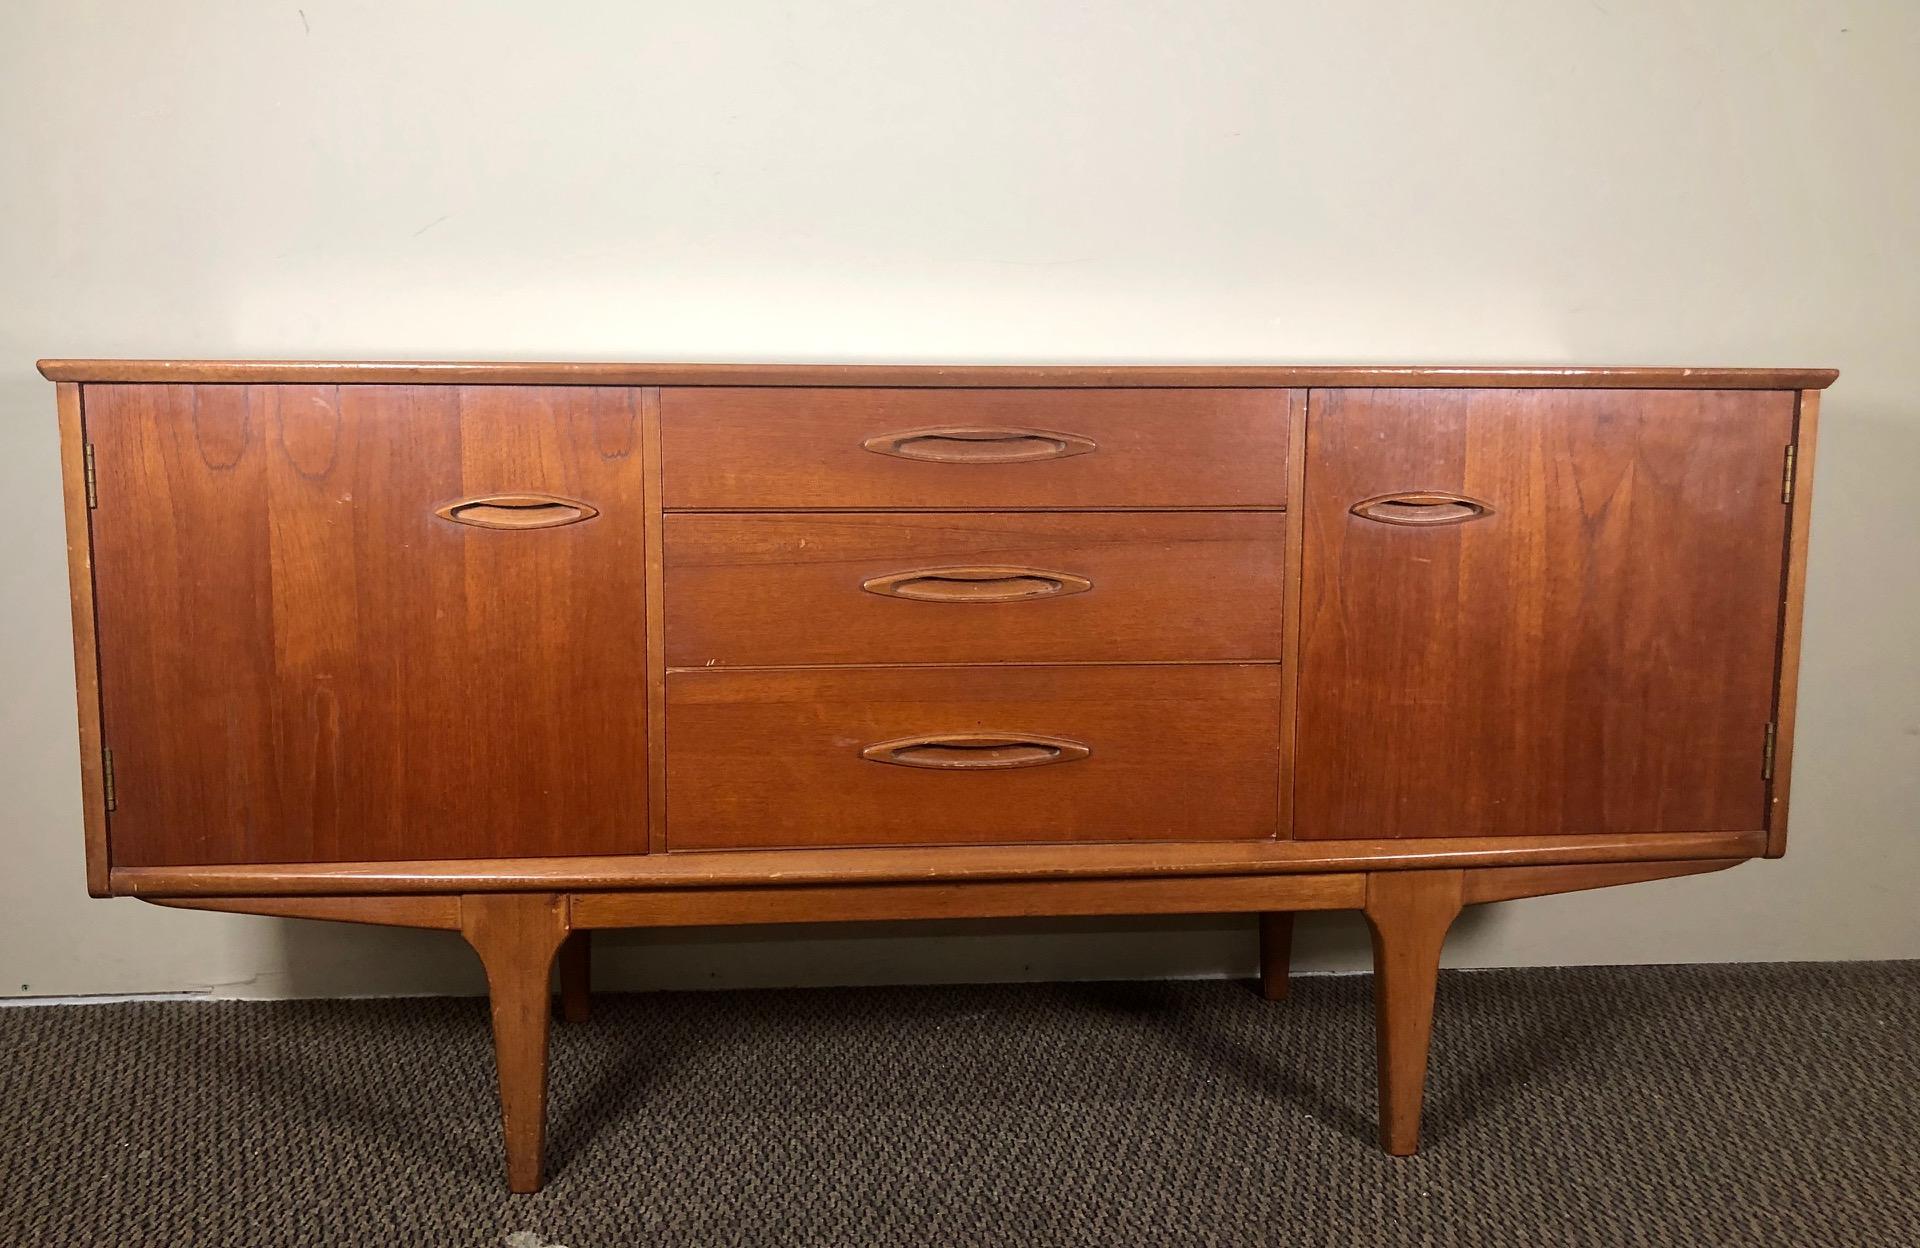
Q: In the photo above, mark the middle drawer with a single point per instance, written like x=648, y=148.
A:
x=968, y=587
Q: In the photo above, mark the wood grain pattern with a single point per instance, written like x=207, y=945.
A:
x=1595, y=657
x=952, y=899
x=301, y=661
x=751, y=448
x=773, y=758
x=517, y=936
x=656, y=638
x=1300, y=412
x=748, y=868
x=1408, y=914
x=1792, y=609
x=576, y=977
x=1509, y=883
x=1276, y=953
x=528, y=373
x=441, y=913
x=1165, y=587
x=870, y=902
x=86, y=652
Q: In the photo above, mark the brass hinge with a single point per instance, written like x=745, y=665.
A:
x=93, y=489
x=106, y=777
x=1766, y=756
x=1786, y=480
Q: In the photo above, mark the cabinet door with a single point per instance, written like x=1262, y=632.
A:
x=1593, y=652
x=302, y=659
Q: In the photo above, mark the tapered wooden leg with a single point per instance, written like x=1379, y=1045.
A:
x=1276, y=953
x=1409, y=913
x=516, y=936
x=576, y=977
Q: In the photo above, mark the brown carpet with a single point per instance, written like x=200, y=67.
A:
x=1684, y=1105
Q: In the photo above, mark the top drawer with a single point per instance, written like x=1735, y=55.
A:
x=728, y=448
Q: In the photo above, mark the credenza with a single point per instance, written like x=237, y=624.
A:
x=525, y=650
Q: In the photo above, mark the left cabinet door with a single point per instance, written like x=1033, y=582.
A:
x=370, y=622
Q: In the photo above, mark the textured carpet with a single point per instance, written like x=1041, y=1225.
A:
x=1693, y=1106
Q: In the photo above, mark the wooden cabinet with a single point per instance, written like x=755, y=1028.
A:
x=526, y=650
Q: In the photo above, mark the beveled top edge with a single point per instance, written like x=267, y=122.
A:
x=338, y=372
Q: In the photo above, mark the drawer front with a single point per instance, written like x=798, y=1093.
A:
x=957, y=587
x=726, y=448
x=953, y=756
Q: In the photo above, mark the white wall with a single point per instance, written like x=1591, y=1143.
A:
x=1634, y=181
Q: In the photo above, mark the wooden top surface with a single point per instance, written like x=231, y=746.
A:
x=264, y=372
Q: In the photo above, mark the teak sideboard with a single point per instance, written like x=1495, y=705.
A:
x=525, y=650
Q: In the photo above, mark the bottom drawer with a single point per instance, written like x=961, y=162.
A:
x=971, y=755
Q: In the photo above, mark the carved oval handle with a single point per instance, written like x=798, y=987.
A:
x=517, y=511
x=979, y=444
x=1422, y=508
x=976, y=751
x=982, y=584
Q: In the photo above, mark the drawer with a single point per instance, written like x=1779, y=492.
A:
x=971, y=755
x=767, y=448
x=960, y=587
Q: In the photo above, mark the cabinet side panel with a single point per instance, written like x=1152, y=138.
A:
x=305, y=658
x=1593, y=654
x=86, y=660
x=1806, y=430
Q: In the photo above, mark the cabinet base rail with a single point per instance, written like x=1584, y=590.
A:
x=521, y=937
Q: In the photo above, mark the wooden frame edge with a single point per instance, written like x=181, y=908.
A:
x=719, y=907
x=86, y=642
x=583, y=910
x=1806, y=428
x=764, y=868
x=1263, y=376
x=1292, y=581
x=1511, y=883
x=440, y=911
x=652, y=486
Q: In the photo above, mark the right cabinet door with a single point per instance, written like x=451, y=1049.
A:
x=1531, y=612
